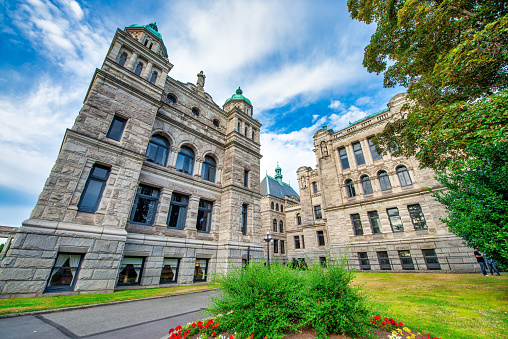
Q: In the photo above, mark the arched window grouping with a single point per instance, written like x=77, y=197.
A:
x=384, y=181
x=209, y=168
x=185, y=160
x=157, y=151
x=404, y=178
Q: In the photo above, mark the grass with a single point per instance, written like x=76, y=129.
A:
x=18, y=305
x=443, y=305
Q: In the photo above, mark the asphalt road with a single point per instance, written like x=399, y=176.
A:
x=146, y=319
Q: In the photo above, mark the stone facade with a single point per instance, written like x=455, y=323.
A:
x=133, y=88
x=339, y=211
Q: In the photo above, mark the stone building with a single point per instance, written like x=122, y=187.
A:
x=376, y=207
x=154, y=183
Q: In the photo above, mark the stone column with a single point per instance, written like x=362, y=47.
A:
x=218, y=175
x=198, y=166
x=351, y=156
x=132, y=60
x=163, y=207
x=147, y=72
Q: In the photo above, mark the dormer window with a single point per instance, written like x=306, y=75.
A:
x=139, y=68
x=153, y=78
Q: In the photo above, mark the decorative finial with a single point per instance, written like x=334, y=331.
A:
x=239, y=91
x=325, y=127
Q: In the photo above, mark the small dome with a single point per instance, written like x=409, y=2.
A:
x=152, y=27
x=238, y=96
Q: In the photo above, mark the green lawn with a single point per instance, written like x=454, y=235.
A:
x=17, y=305
x=444, y=305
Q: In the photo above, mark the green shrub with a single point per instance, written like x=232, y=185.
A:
x=278, y=300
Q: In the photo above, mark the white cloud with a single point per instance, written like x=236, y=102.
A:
x=337, y=105
x=362, y=101
x=314, y=117
x=342, y=120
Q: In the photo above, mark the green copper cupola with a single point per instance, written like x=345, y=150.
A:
x=278, y=173
x=238, y=100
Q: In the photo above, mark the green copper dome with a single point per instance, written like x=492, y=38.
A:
x=238, y=96
x=151, y=27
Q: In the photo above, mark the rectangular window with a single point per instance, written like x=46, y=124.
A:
x=297, y=242
x=275, y=246
x=317, y=211
x=246, y=178
x=116, y=128
x=384, y=261
x=169, y=273
x=431, y=260
x=375, y=223
x=314, y=187
x=373, y=152
x=417, y=217
x=364, y=261
x=178, y=211
x=357, y=224
x=322, y=261
x=244, y=219
x=204, y=216
x=357, y=148
x=303, y=242
x=395, y=220
x=344, y=162
x=94, y=187
x=64, y=272
x=405, y=260
x=282, y=248
x=201, y=270
x=130, y=271
x=145, y=205
x=321, y=238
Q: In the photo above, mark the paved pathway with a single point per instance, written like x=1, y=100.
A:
x=145, y=319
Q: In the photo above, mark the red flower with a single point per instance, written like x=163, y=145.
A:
x=178, y=328
x=216, y=325
x=400, y=324
x=377, y=317
x=214, y=333
x=383, y=323
x=171, y=330
x=373, y=321
x=231, y=337
x=184, y=335
x=194, y=325
x=386, y=319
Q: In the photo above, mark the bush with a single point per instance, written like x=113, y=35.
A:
x=271, y=302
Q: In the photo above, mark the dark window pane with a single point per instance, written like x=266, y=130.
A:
x=343, y=158
x=405, y=260
x=185, y=160
x=274, y=225
x=431, y=259
x=366, y=185
x=216, y=123
x=417, y=217
x=321, y=238
x=282, y=249
x=384, y=260
x=298, y=219
x=303, y=242
x=275, y=246
x=384, y=181
x=317, y=212
x=395, y=220
x=297, y=241
x=204, y=216
x=94, y=187
x=64, y=272
x=357, y=224
x=122, y=59
x=157, y=151
x=246, y=178
x=139, y=67
x=375, y=223
x=153, y=78
x=116, y=128
x=200, y=270
x=357, y=148
x=314, y=187
x=195, y=111
x=404, y=178
x=244, y=219
x=169, y=271
x=281, y=226
x=171, y=98
x=145, y=205
x=375, y=154
x=364, y=260
x=350, y=189
x=130, y=271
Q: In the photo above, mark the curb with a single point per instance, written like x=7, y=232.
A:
x=13, y=315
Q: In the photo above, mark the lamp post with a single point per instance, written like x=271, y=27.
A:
x=267, y=239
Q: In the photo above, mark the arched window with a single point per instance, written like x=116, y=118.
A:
x=298, y=219
x=366, y=184
x=153, y=78
x=281, y=227
x=384, y=181
x=274, y=225
x=195, y=111
x=239, y=126
x=139, y=68
x=350, y=188
x=277, y=207
x=314, y=187
x=246, y=130
x=404, y=178
x=122, y=59
x=216, y=123
x=171, y=98
x=253, y=135
x=281, y=208
x=151, y=45
x=272, y=205
x=185, y=160
x=157, y=151
x=208, y=170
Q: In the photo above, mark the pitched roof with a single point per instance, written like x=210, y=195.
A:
x=276, y=188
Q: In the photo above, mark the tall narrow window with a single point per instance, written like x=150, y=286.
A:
x=139, y=68
x=94, y=187
x=178, y=211
x=281, y=208
x=122, y=59
x=344, y=162
x=208, y=170
x=375, y=223
x=169, y=273
x=303, y=241
x=153, y=77
x=201, y=270
x=357, y=224
x=317, y=212
x=405, y=260
x=297, y=242
x=275, y=246
x=130, y=271
x=277, y=207
x=314, y=187
x=366, y=184
x=274, y=228
x=145, y=205
x=281, y=227
x=357, y=148
x=404, y=178
x=417, y=217
x=320, y=238
x=272, y=206
x=246, y=178
x=253, y=134
x=151, y=45
x=246, y=130
x=244, y=219
x=298, y=219
x=116, y=128
x=395, y=220
x=350, y=188
x=431, y=259
x=364, y=261
x=185, y=160
x=239, y=127
x=282, y=249
x=157, y=151
x=384, y=181
x=384, y=261
x=64, y=272
x=373, y=152
x=146, y=43
x=204, y=216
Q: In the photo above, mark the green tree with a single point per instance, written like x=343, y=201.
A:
x=452, y=55
x=477, y=200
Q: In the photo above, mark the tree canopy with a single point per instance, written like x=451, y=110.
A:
x=452, y=55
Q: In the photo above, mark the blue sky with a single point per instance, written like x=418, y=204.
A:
x=299, y=62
